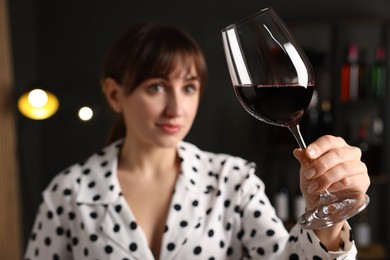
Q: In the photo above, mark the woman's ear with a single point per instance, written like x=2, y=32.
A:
x=113, y=93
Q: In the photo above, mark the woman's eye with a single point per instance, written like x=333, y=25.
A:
x=156, y=88
x=190, y=89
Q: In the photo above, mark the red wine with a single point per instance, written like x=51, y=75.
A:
x=273, y=104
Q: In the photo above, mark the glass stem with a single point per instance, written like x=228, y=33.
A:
x=325, y=197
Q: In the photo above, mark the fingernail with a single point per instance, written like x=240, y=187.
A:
x=310, y=173
x=311, y=152
x=312, y=187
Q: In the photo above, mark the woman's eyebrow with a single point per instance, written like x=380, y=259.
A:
x=192, y=77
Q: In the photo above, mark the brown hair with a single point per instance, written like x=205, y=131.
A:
x=147, y=50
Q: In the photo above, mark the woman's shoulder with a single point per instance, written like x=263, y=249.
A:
x=68, y=182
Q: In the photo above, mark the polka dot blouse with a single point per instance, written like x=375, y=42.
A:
x=218, y=211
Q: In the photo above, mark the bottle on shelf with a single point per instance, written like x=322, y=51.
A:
x=299, y=205
x=353, y=76
x=282, y=204
x=379, y=74
x=369, y=140
x=363, y=230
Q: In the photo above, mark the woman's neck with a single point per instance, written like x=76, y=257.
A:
x=140, y=158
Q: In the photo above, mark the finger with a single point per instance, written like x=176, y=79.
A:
x=301, y=156
x=323, y=145
x=351, y=175
x=355, y=183
x=332, y=159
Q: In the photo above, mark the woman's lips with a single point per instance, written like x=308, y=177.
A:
x=170, y=128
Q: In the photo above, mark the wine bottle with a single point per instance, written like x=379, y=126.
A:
x=299, y=205
x=379, y=74
x=363, y=231
x=282, y=204
x=351, y=76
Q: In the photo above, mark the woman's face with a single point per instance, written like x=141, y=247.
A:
x=160, y=111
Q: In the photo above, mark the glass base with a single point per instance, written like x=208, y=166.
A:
x=333, y=209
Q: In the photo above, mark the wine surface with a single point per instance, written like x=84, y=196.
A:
x=275, y=104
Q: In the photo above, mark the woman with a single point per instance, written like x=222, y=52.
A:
x=150, y=195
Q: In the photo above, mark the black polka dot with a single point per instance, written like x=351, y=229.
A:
x=59, y=231
x=47, y=241
x=257, y=214
x=228, y=226
x=91, y=184
x=104, y=163
x=171, y=246
x=55, y=186
x=133, y=247
x=116, y=228
x=49, y=214
x=260, y=251
x=183, y=223
x=177, y=207
x=33, y=236
x=309, y=238
x=210, y=233
x=75, y=241
x=93, y=237
x=108, y=249
x=270, y=232
x=71, y=215
x=317, y=258
x=294, y=257
x=133, y=225
x=118, y=208
x=67, y=192
x=323, y=247
x=60, y=210
x=253, y=233
x=240, y=234
x=197, y=250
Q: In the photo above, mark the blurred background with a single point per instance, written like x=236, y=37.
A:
x=58, y=46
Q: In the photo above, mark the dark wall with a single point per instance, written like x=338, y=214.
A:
x=58, y=45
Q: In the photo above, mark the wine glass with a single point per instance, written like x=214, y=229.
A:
x=274, y=81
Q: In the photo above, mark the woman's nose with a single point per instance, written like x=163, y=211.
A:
x=174, y=105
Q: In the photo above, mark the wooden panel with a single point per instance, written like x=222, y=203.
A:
x=10, y=228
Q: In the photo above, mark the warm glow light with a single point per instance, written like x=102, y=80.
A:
x=85, y=113
x=38, y=104
x=37, y=98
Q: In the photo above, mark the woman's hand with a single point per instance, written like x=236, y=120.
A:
x=330, y=163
